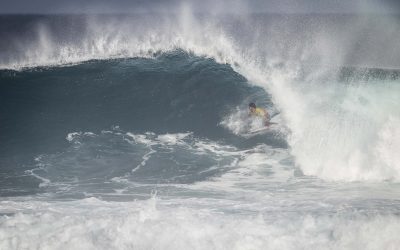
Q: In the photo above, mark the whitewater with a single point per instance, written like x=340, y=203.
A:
x=130, y=131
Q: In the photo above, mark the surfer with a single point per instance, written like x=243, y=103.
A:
x=259, y=112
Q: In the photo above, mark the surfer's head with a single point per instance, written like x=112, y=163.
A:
x=252, y=107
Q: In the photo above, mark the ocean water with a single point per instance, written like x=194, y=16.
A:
x=131, y=132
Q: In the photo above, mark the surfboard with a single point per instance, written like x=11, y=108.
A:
x=261, y=130
x=254, y=131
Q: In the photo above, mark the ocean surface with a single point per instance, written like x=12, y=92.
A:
x=132, y=131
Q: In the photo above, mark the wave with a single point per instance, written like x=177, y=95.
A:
x=175, y=93
x=341, y=129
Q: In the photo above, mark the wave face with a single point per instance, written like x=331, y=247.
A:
x=173, y=93
x=132, y=132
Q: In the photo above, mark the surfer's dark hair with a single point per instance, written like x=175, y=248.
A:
x=252, y=105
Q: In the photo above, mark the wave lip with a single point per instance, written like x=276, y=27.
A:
x=110, y=37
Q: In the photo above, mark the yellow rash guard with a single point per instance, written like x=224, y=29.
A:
x=259, y=112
